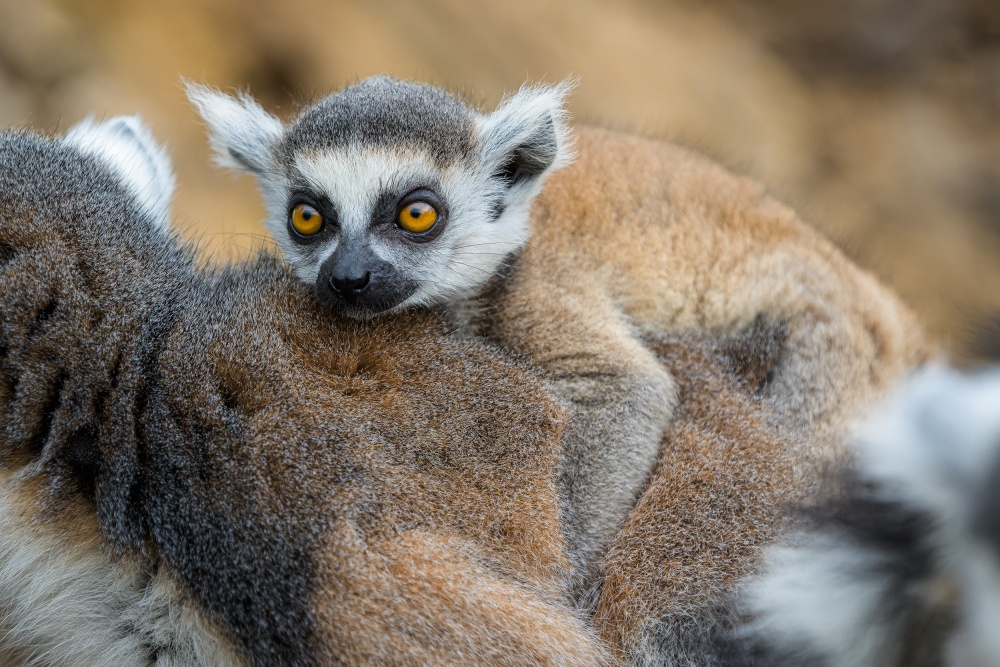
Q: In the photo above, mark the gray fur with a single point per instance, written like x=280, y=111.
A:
x=382, y=111
x=210, y=468
x=612, y=446
x=84, y=269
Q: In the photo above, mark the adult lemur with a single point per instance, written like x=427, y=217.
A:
x=211, y=467
x=393, y=194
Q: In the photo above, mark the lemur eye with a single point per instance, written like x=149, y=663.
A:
x=417, y=217
x=306, y=220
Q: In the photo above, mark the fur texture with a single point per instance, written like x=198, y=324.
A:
x=638, y=238
x=725, y=473
x=236, y=475
x=635, y=239
x=902, y=567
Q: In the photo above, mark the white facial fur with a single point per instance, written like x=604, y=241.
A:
x=474, y=241
x=127, y=146
x=465, y=255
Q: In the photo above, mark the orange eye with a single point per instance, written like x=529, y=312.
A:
x=306, y=220
x=417, y=217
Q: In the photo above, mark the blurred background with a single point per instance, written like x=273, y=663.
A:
x=879, y=120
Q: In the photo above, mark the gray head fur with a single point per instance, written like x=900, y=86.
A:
x=360, y=156
x=383, y=112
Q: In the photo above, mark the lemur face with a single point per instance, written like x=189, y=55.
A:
x=402, y=234
x=392, y=194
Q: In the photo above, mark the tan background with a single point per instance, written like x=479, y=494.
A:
x=878, y=119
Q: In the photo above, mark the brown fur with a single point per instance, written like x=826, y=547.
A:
x=664, y=240
x=724, y=475
x=636, y=238
x=425, y=551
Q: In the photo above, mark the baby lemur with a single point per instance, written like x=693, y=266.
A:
x=391, y=194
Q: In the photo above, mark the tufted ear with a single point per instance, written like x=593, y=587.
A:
x=241, y=132
x=128, y=147
x=527, y=136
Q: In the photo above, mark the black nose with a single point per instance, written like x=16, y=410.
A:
x=348, y=287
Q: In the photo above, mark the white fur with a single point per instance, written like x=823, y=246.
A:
x=65, y=602
x=935, y=448
x=126, y=144
x=978, y=638
x=937, y=438
x=519, y=116
x=353, y=181
x=241, y=132
x=822, y=594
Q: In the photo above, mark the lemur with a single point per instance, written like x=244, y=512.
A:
x=211, y=467
x=208, y=467
x=900, y=564
x=392, y=194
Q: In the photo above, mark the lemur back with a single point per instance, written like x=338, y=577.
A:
x=389, y=194
x=202, y=468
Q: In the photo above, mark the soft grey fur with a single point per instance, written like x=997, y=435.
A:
x=385, y=112
x=185, y=481
x=63, y=599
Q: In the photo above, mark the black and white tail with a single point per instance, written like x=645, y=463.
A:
x=902, y=565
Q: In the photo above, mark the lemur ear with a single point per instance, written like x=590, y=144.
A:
x=241, y=132
x=128, y=147
x=528, y=134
